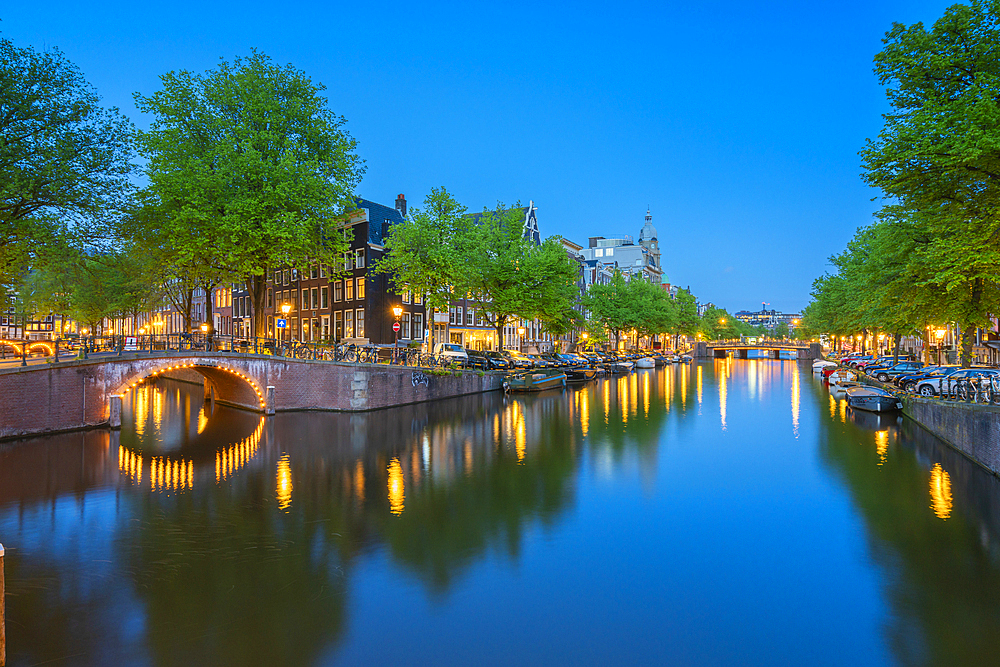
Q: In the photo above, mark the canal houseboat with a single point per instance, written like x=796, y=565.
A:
x=872, y=399
x=537, y=381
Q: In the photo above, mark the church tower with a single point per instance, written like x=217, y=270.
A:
x=647, y=239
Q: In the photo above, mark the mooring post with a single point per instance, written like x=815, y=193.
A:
x=115, y=411
x=269, y=400
x=3, y=619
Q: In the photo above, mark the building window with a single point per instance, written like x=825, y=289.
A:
x=360, y=323
x=277, y=277
x=346, y=261
x=348, y=324
x=418, y=326
x=470, y=317
x=458, y=316
x=322, y=271
x=326, y=327
x=479, y=317
x=598, y=252
x=359, y=258
x=418, y=299
x=324, y=297
x=406, y=326
x=451, y=315
x=295, y=275
x=361, y=288
x=338, y=291
x=314, y=271
x=349, y=295
x=315, y=298
x=406, y=296
x=305, y=299
x=338, y=325
x=284, y=277
x=314, y=330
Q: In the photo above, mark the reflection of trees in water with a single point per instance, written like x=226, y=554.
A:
x=943, y=576
x=253, y=569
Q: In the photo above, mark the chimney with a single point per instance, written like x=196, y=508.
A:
x=401, y=205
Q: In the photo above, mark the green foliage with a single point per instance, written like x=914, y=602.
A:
x=248, y=170
x=64, y=160
x=424, y=254
x=621, y=306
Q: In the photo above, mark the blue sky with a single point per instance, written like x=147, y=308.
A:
x=738, y=124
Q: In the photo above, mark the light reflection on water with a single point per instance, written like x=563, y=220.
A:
x=539, y=509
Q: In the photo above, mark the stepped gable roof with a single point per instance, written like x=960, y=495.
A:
x=377, y=214
x=531, y=221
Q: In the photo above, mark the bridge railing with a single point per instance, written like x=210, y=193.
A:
x=86, y=347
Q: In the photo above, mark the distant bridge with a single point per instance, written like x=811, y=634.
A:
x=717, y=349
x=52, y=397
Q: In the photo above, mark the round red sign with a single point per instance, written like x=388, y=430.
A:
x=395, y=326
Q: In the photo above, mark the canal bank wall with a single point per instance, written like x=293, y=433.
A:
x=972, y=429
x=82, y=394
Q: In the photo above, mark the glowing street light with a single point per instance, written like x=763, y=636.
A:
x=520, y=341
x=398, y=312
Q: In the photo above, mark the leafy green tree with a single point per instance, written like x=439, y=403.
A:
x=686, y=319
x=608, y=306
x=938, y=153
x=424, y=254
x=248, y=163
x=64, y=159
x=511, y=277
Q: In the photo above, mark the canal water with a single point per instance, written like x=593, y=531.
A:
x=729, y=512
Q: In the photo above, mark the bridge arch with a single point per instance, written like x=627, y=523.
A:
x=18, y=346
x=228, y=385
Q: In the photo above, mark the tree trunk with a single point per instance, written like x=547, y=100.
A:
x=968, y=336
x=895, y=356
x=257, y=286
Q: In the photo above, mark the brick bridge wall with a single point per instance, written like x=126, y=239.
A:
x=79, y=394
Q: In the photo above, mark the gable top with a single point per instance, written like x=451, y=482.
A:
x=530, y=221
x=376, y=215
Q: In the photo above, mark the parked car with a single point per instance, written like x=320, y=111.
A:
x=498, y=361
x=864, y=364
x=908, y=381
x=885, y=374
x=947, y=385
x=453, y=350
x=518, y=359
x=854, y=361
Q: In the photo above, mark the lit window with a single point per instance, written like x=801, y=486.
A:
x=349, y=324
x=305, y=299
x=361, y=323
x=349, y=294
x=418, y=299
x=361, y=288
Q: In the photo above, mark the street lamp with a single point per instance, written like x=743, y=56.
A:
x=520, y=339
x=398, y=312
x=285, y=307
x=939, y=334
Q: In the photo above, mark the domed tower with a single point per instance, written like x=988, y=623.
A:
x=647, y=239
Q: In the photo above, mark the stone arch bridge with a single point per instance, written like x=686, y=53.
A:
x=87, y=393
x=717, y=349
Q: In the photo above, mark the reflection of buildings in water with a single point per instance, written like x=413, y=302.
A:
x=940, y=483
x=396, y=486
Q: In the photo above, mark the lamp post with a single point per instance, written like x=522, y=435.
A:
x=397, y=312
x=939, y=334
x=520, y=339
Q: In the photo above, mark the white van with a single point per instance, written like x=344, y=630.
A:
x=451, y=350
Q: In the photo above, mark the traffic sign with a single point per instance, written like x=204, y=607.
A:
x=395, y=327
x=280, y=323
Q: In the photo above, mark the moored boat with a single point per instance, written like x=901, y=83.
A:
x=820, y=364
x=537, y=381
x=842, y=375
x=645, y=362
x=581, y=374
x=872, y=399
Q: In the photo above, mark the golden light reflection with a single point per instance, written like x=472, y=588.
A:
x=623, y=394
x=359, y=481
x=698, y=384
x=941, y=501
x=283, y=490
x=684, y=385
x=645, y=394
x=584, y=411
x=397, y=492
x=843, y=410
x=723, y=396
x=833, y=407
x=230, y=459
x=796, y=398
x=882, y=445
x=607, y=399
x=202, y=420
x=520, y=438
